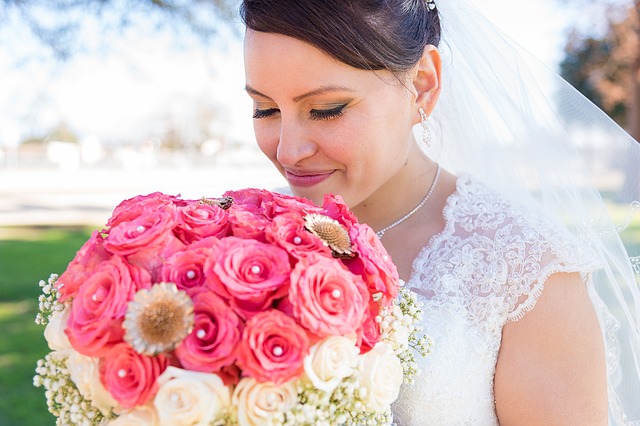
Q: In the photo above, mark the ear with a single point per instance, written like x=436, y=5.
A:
x=426, y=80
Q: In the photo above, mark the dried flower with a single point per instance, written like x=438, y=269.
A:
x=332, y=234
x=224, y=203
x=158, y=319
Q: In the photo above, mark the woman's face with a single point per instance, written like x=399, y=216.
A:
x=328, y=127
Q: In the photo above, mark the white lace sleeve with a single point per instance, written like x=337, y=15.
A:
x=488, y=266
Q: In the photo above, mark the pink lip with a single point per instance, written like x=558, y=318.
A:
x=302, y=179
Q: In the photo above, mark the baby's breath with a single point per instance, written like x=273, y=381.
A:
x=63, y=397
x=48, y=301
x=399, y=324
x=345, y=406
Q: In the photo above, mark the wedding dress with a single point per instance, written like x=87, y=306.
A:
x=537, y=164
x=487, y=267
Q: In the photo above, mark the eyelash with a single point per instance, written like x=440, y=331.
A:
x=327, y=114
x=314, y=114
x=264, y=113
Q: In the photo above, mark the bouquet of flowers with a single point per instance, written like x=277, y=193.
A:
x=252, y=309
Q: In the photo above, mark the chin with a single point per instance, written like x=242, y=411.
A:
x=315, y=198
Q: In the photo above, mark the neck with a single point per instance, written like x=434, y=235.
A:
x=399, y=195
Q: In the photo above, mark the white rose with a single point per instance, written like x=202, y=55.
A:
x=189, y=397
x=143, y=415
x=331, y=360
x=381, y=376
x=85, y=373
x=54, y=332
x=256, y=403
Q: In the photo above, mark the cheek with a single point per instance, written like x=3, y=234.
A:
x=267, y=137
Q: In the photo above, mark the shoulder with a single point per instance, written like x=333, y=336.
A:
x=551, y=366
x=516, y=247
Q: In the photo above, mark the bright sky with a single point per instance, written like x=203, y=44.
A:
x=128, y=94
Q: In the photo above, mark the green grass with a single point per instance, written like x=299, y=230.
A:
x=27, y=255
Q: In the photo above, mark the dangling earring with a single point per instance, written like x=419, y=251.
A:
x=426, y=132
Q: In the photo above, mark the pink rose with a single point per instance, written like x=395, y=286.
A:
x=132, y=208
x=369, y=332
x=258, y=200
x=153, y=257
x=249, y=273
x=149, y=229
x=186, y=268
x=81, y=267
x=288, y=231
x=213, y=343
x=272, y=348
x=282, y=203
x=248, y=222
x=327, y=299
x=97, y=312
x=373, y=264
x=130, y=377
x=199, y=221
x=335, y=207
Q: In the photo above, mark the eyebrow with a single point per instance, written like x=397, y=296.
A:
x=319, y=91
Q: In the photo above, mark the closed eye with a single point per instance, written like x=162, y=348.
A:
x=264, y=113
x=327, y=114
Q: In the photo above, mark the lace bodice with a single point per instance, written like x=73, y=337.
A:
x=487, y=267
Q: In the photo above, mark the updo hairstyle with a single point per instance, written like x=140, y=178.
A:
x=365, y=34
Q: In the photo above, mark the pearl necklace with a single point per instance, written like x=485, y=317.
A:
x=381, y=232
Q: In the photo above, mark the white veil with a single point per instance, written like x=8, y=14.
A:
x=516, y=125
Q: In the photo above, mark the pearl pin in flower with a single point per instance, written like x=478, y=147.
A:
x=191, y=274
x=140, y=228
x=122, y=373
x=336, y=293
x=297, y=240
x=277, y=351
x=255, y=269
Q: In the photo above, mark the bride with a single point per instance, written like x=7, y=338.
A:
x=490, y=215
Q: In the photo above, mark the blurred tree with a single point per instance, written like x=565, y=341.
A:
x=606, y=68
x=57, y=23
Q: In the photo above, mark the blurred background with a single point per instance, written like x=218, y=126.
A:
x=101, y=100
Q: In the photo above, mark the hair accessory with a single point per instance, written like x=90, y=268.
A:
x=381, y=232
x=431, y=4
x=426, y=133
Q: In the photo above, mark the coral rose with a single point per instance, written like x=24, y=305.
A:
x=199, y=220
x=139, y=205
x=288, y=231
x=373, y=264
x=213, y=343
x=98, y=310
x=129, y=377
x=247, y=221
x=80, y=268
x=252, y=274
x=327, y=299
x=186, y=268
x=148, y=230
x=272, y=348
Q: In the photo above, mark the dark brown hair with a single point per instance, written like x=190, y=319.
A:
x=366, y=34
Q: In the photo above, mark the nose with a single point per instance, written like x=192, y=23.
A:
x=294, y=145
